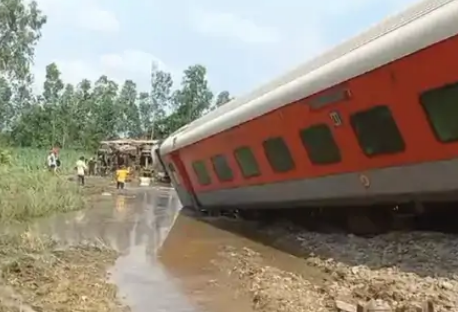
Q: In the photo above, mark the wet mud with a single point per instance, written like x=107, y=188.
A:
x=173, y=260
x=168, y=261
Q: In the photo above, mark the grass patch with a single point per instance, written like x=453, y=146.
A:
x=37, y=275
x=34, y=159
x=27, y=194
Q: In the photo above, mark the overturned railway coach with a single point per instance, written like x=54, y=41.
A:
x=374, y=120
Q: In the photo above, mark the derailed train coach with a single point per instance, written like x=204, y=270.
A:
x=374, y=120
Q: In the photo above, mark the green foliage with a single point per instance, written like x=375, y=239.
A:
x=29, y=190
x=33, y=158
x=5, y=157
x=80, y=116
x=29, y=194
x=20, y=30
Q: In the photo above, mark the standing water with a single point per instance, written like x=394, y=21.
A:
x=167, y=260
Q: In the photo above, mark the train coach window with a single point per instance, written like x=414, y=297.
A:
x=441, y=108
x=222, y=169
x=278, y=154
x=201, y=172
x=320, y=145
x=247, y=162
x=377, y=131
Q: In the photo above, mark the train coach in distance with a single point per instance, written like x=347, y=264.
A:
x=372, y=121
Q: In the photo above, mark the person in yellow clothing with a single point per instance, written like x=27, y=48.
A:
x=121, y=175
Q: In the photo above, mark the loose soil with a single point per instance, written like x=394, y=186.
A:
x=403, y=269
x=39, y=275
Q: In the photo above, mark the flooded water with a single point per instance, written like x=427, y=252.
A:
x=167, y=260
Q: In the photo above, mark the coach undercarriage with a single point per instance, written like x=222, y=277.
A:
x=361, y=220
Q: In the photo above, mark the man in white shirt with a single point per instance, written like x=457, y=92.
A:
x=80, y=169
x=52, y=161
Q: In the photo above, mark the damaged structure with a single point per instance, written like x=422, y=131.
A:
x=134, y=154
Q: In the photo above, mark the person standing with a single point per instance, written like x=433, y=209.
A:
x=121, y=176
x=52, y=165
x=91, y=164
x=80, y=170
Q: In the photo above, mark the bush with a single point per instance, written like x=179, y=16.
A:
x=5, y=157
x=26, y=193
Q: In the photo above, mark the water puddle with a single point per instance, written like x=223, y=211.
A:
x=167, y=260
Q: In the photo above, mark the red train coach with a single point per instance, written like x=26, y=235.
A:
x=374, y=120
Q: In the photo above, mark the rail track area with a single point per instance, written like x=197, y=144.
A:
x=361, y=221
x=400, y=254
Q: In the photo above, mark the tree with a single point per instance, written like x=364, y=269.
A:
x=6, y=109
x=105, y=116
x=129, y=122
x=161, y=86
x=80, y=116
x=223, y=98
x=194, y=97
x=20, y=30
x=52, y=92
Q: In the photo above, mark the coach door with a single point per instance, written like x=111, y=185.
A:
x=186, y=190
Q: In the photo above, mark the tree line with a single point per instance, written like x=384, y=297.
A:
x=81, y=115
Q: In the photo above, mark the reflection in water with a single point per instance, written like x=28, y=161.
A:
x=143, y=220
x=157, y=270
x=135, y=226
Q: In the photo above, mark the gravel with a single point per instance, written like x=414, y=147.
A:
x=402, y=269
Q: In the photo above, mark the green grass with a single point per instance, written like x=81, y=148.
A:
x=36, y=158
x=28, y=190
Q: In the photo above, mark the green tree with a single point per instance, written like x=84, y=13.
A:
x=20, y=30
x=144, y=105
x=6, y=108
x=105, y=115
x=67, y=118
x=223, y=98
x=52, y=92
x=193, y=99
x=129, y=119
x=161, y=86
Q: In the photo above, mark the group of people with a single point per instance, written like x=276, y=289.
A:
x=82, y=168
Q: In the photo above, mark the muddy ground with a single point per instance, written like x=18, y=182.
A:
x=403, y=269
x=37, y=274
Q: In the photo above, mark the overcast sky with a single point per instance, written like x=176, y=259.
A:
x=242, y=43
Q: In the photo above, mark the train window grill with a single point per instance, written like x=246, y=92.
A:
x=377, y=132
x=320, y=145
x=441, y=107
x=222, y=169
x=201, y=172
x=278, y=154
x=247, y=162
